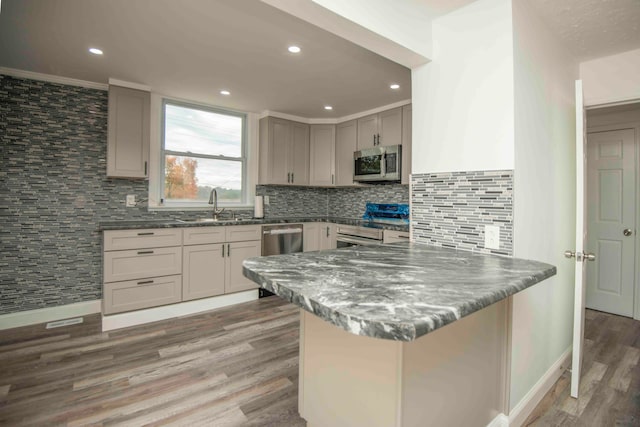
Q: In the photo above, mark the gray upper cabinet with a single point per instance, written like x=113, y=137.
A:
x=322, y=155
x=384, y=128
x=128, y=133
x=346, y=144
x=406, y=143
x=284, y=152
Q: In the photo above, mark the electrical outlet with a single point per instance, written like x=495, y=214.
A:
x=266, y=200
x=131, y=201
x=492, y=237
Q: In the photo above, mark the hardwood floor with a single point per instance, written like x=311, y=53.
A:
x=234, y=366
x=238, y=366
x=610, y=384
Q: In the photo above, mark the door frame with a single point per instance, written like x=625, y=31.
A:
x=635, y=126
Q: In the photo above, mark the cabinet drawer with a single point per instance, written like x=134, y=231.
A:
x=204, y=235
x=138, y=264
x=117, y=240
x=242, y=233
x=137, y=294
x=393, y=236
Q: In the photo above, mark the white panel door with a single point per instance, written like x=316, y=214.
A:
x=280, y=140
x=390, y=127
x=581, y=238
x=237, y=252
x=611, y=221
x=346, y=144
x=322, y=155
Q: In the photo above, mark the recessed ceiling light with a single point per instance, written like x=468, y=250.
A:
x=95, y=51
x=328, y=107
x=395, y=86
x=294, y=49
x=225, y=92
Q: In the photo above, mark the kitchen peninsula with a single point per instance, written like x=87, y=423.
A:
x=400, y=335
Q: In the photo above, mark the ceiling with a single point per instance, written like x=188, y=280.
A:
x=192, y=49
x=592, y=28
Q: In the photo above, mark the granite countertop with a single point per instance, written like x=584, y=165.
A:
x=172, y=223
x=397, y=292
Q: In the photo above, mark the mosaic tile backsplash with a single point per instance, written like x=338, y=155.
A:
x=451, y=209
x=54, y=192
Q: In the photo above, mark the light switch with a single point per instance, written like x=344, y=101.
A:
x=131, y=201
x=266, y=200
x=492, y=237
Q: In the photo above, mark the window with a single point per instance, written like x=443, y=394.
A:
x=203, y=149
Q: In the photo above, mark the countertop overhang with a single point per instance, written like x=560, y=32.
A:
x=398, y=291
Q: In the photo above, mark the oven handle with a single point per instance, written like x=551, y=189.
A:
x=358, y=240
x=283, y=231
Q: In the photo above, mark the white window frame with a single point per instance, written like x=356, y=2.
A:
x=156, y=175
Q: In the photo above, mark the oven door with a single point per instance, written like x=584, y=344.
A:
x=347, y=241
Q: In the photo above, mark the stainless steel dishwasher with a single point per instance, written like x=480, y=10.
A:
x=279, y=240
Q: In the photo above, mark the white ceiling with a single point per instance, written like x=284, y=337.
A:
x=192, y=49
x=592, y=28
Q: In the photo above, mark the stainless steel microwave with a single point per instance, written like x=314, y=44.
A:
x=378, y=164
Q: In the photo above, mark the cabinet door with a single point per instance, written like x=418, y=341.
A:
x=346, y=144
x=128, y=133
x=327, y=237
x=310, y=234
x=203, y=271
x=299, y=154
x=138, y=294
x=406, y=143
x=322, y=155
x=236, y=253
x=390, y=127
x=279, y=153
x=367, y=131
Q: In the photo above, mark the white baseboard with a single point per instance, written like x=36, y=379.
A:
x=42, y=315
x=500, y=421
x=518, y=415
x=139, y=317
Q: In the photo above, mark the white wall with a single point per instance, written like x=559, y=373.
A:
x=611, y=79
x=544, y=197
x=406, y=22
x=463, y=99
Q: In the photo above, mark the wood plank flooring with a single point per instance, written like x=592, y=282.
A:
x=610, y=384
x=236, y=366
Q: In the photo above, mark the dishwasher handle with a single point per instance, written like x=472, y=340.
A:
x=283, y=231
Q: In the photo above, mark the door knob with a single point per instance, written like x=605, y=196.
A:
x=569, y=254
x=589, y=257
x=627, y=232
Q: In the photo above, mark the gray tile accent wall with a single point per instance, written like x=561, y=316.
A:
x=293, y=201
x=350, y=202
x=451, y=209
x=54, y=192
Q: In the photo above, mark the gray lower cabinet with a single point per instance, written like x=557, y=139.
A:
x=203, y=271
x=138, y=294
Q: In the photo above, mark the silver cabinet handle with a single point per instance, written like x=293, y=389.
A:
x=145, y=168
x=228, y=249
x=223, y=250
x=292, y=179
x=146, y=233
x=332, y=178
x=627, y=232
x=327, y=231
x=145, y=282
x=145, y=252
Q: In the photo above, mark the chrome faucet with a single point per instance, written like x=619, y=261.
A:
x=213, y=200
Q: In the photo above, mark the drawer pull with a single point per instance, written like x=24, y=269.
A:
x=145, y=282
x=403, y=237
x=144, y=252
x=149, y=233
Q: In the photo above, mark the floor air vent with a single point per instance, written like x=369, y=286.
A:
x=65, y=322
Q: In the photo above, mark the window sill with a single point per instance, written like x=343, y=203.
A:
x=198, y=208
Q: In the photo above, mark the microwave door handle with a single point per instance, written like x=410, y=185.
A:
x=383, y=166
